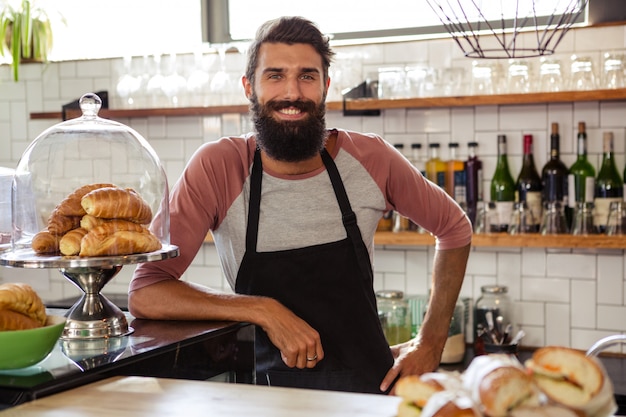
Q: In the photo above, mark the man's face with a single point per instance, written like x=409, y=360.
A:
x=288, y=101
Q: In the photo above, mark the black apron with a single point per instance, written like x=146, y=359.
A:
x=330, y=286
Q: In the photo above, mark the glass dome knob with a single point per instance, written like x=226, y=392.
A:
x=90, y=105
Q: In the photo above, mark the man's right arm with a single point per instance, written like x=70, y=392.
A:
x=180, y=300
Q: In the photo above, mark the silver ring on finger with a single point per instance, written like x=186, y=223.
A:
x=312, y=358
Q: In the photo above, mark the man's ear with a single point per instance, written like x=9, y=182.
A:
x=247, y=87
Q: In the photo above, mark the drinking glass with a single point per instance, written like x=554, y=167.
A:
x=482, y=82
x=392, y=82
x=582, y=76
x=522, y=219
x=553, y=222
x=616, y=222
x=486, y=218
x=582, y=223
x=550, y=75
x=519, y=77
x=613, y=71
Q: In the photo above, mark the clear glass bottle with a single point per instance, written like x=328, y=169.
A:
x=492, y=314
x=395, y=316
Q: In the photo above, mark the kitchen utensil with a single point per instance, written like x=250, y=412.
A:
x=518, y=337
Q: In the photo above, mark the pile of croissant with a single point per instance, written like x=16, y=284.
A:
x=20, y=307
x=98, y=220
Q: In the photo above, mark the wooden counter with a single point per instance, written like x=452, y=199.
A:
x=154, y=397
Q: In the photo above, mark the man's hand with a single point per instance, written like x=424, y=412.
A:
x=411, y=358
x=299, y=344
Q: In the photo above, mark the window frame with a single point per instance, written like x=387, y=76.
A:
x=215, y=23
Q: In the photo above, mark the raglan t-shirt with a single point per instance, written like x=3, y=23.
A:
x=296, y=210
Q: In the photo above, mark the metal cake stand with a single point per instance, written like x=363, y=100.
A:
x=93, y=315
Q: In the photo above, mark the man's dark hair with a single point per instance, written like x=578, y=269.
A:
x=289, y=30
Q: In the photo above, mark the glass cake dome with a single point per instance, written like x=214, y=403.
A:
x=83, y=151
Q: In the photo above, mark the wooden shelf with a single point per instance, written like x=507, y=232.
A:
x=502, y=240
x=506, y=240
x=366, y=104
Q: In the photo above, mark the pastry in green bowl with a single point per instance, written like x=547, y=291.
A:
x=22, y=348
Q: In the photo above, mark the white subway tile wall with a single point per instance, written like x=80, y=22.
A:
x=565, y=297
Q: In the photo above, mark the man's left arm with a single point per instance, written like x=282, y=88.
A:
x=423, y=353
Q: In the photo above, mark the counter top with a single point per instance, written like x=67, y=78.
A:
x=154, y=397
x=197, y=350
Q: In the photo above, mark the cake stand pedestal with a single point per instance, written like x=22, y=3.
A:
x=93, y=315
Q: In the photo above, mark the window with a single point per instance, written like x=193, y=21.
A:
x=350, y=20
x=116, y=28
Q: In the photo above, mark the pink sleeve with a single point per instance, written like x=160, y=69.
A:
x=409, y=192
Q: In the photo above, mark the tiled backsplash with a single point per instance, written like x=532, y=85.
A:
x=565, y=297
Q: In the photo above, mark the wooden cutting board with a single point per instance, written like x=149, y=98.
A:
x=146, y=396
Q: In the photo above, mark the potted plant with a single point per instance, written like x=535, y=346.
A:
x=25, y=33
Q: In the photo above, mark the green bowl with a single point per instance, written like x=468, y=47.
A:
x=22, y=348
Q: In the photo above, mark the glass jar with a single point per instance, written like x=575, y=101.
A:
x=454, y=349
x=492, y=315
x=395, y=316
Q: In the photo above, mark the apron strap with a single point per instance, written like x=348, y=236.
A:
x=254, y=207
x=348, y=216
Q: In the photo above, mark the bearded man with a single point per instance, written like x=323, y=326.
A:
x=293, y=209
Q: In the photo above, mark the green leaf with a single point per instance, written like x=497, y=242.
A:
x=27, y=29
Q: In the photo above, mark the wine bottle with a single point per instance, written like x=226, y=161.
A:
x=473, y=181
x=528, y=186
x=435, y=167
x=609, y=185
x=582, y=174
x=554, y=172
x=455, y=176
x=502, y=188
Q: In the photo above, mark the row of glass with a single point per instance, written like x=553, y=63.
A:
x=491, y=77
x=554, y=220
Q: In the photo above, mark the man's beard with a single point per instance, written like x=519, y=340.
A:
x=289, y=141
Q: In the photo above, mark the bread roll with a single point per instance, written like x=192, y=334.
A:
x=45, y=242
x=506, y=388
x=117, y=203
x=499, y=383
x=70, y=242
x=415, y=392
x=450, y=404
x=71, y=206
x=566, y=375
x=21, y=298
x=12, y=320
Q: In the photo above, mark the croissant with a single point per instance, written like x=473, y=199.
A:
x=11, y=320
x=88, y=222
x=45, y=242
x=59, y=224
x=70, y=242
x=21, y=298
x=123, y=242
x=111, y=202
x=71, y=206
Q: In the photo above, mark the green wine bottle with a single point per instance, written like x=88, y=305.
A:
x=581, y=177
x=528, y=187
x=502, y=188
x=609, y=185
